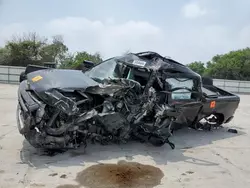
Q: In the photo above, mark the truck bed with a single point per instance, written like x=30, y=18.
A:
x=219, y=101
x=213, y=91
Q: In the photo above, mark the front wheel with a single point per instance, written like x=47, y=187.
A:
x=20, y=124
x=209, y=122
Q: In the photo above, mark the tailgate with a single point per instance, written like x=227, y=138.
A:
x=220, y=101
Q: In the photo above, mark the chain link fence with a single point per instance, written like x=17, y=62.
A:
x=10, y=75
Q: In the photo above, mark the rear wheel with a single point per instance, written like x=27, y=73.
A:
x=211, y=121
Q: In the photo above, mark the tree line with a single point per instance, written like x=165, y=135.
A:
x=30, y=48
x=234, y=65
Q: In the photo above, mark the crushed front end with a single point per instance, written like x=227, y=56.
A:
x=115, y=112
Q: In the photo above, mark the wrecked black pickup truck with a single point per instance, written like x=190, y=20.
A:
x=137, y=96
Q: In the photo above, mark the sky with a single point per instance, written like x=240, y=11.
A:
x=185, y=30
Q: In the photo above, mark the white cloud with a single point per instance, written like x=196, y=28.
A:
x=193, y=10
x=6, y=31
x=107, y=37
x=110, y=38
x=244, y=37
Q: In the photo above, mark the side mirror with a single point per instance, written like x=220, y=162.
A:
x=88, y=64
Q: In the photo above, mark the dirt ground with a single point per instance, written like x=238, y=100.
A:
x=217, y=159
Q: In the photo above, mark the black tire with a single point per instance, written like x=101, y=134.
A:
x=22, y=77
x=207, y=81
x=18, y=120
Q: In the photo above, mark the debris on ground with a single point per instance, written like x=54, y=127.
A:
x=63, y=176
x=53, y=174
x=233, y=131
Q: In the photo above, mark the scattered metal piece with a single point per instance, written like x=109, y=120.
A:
x=53, y=174
x=233, y=131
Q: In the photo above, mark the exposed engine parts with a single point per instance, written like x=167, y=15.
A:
x=116, y=113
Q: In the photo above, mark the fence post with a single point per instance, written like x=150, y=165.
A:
x=8, y=75
x=238, y=86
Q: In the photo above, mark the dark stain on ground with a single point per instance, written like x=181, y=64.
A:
x=5, y=125
x=2, y=171
x=123, y=175
x=76, y=154
x=52, y=152
x=189, y=172
x=187, y=147
x=63, y=176
x=37, y=185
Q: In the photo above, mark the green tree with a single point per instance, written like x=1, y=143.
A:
x=234, y=65
x=25, y=49
x=30, y=48
x=54, y=52
x=67, y=61
x=4, y=56
x=198, y=67
x=75, y=62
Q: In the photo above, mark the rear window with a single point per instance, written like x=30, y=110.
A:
x=179, y=83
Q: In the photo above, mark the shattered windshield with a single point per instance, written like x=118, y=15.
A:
x=180, y=83
x=103, y=70
x=111, y=69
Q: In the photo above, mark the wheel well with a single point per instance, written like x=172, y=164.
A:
x=220, y=117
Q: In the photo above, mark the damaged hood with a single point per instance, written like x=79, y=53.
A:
x=44, y=80
x=50, y=85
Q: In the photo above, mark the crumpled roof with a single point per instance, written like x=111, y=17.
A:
x=153, y=61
